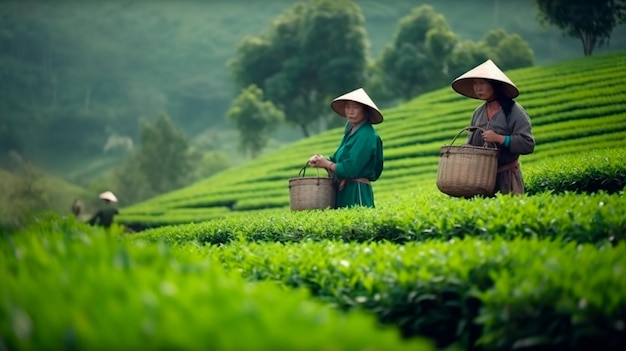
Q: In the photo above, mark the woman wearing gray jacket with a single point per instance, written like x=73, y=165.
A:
x=500, y=120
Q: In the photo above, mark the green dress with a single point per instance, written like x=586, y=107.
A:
x=360, y=155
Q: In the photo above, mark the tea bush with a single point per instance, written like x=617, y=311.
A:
x=593, y=218
x=67, y=286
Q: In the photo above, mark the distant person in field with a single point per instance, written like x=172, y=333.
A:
x=358, y=161
x=105, y=214
x=77, y=207
x=500, y=120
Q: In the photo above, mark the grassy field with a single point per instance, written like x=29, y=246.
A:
x=574, y=106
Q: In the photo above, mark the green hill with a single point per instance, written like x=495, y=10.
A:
x=29, y=190
x=79, y=74
x=574, y=106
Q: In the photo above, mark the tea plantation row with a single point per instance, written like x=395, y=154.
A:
x=66, y=286
x=588, y=172
x=583, y=109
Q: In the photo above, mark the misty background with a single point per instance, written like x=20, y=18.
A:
x=82, y=81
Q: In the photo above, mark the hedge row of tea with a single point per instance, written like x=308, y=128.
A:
x=583, y=172
x=595, y=218
x=485, y=273
x=530, y=276
x=575, y=106
x=69, y=287
x=541, y=271
x=498, y=294
x=586, y=172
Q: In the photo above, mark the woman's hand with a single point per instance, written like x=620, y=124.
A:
x=489, y=136
x=318, y=161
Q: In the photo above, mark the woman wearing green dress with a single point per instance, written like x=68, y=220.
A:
x=358, y=160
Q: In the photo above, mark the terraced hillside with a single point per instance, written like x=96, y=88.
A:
x=575, y=105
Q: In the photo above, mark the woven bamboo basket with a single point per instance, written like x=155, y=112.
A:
x=311, y=193
x=466, y=171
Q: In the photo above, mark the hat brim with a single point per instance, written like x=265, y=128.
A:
x=465, y=86
x=488, y=70
x=109, y=196
x=339, y=106
x=359, y=95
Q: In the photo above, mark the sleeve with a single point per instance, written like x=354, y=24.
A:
x=475, y=137
x=522, y=140
x=379, y=159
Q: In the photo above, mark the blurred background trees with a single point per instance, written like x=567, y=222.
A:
x=163, y=162
x=79, y=81
x=311, y=53
x=590, y=21
x=426, y=54
x=255, y=119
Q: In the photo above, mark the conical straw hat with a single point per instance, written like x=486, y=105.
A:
x=107, y=195
x=487, y=70
x=359, y=95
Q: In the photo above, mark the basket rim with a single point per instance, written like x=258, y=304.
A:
x=468, y=150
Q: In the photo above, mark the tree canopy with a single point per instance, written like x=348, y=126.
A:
x=590, y=21
x=76, y=75
x=414, y=62
x=311, y=53
x=255, y=119
x=426, y=54
x=162, y=163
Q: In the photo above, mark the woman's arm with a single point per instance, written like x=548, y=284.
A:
x=521, y=140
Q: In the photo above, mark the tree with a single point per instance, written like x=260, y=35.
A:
x=513, y=52
x=255, y=119
x=311, y=53
x=414, y=62
x=509, y=51
x=130, y=181
x=466, y=55
x=164, y=155
x=162, y=163
x=590, y=21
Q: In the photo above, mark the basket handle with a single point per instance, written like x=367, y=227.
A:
x=302, y=171
x=471, y=129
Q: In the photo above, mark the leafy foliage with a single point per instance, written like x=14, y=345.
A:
x=162, y=163
x=74, y=74
x=293, y=59
x=588, y=172
x=491, y=295
x=255, y=119
x=596, y=219
x=414, y=62
x=102, y=291
x=590, y=21
x=510, y=51
x=426, y=54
